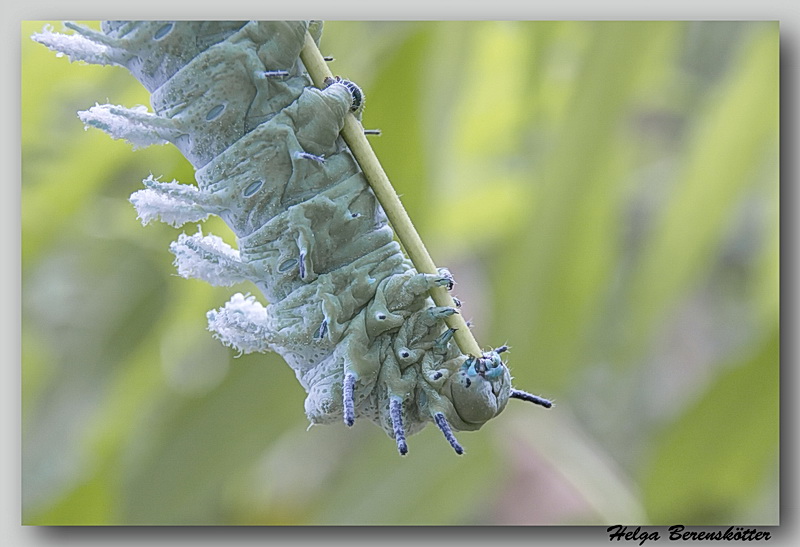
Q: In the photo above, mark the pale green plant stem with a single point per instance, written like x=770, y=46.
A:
x=353, y=134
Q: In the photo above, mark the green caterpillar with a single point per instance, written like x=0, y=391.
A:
x=347, y=310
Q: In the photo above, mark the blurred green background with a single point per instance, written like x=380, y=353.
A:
x=606, y=195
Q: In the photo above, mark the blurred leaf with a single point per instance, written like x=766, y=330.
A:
x=426, y=489
x=86, y=326
x=473, y=127
x=181, y=456
x=397, y=85
x=557, y=269
x=90, y=503
x=714, y=456
x=721, y=159
x=576, y=462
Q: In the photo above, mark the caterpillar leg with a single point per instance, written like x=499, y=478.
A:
x=400, y=385
x=403, y=290
x=438, y=314
x=446, y=279
x=444, y=339
x=424, y=327
x=420, y=333
x=323, y=404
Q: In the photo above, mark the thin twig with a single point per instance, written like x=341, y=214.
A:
x=353, y=134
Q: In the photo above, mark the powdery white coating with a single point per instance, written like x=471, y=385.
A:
x=76, y=47
x=346, y=306
x=241, y=324
x=154, y=204
x=136, y=125
x=174, y=203
x=210, y=259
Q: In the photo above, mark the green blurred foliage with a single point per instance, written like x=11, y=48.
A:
x=606, y=194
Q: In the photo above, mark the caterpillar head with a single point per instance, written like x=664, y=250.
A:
x=479, y=390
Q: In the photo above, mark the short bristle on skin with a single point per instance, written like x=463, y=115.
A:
x=525, y=396
x=396, y=415
x=349, y=402
x=441, y=422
